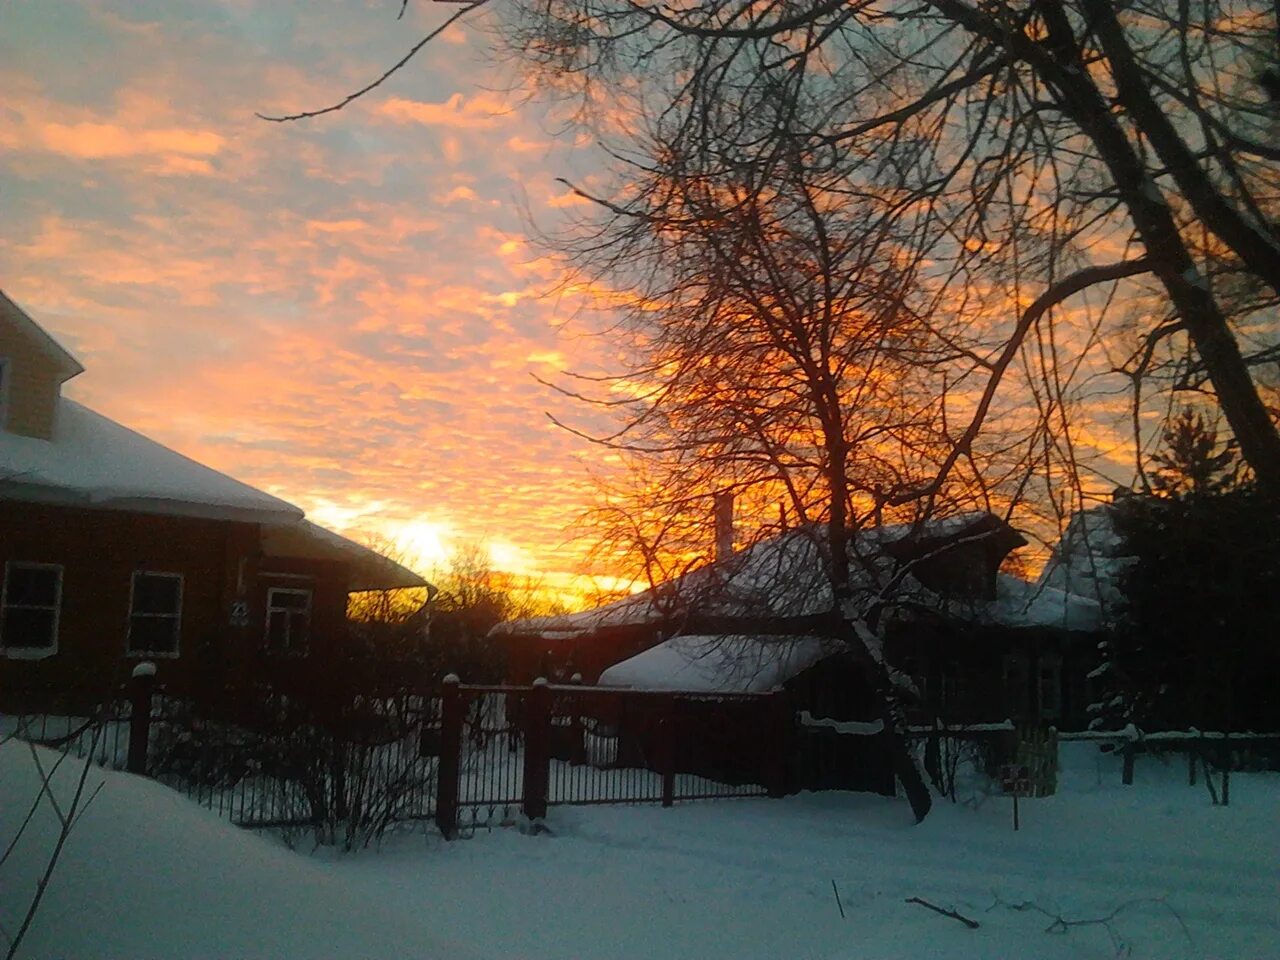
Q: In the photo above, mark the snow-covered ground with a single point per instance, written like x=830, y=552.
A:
x=146, y=874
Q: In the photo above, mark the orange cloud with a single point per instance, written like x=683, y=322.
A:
x=458, y=112
x=104, y=140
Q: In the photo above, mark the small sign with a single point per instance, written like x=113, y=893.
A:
x=1015, y=779
x=240, y=613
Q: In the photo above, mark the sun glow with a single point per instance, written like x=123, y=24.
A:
x=423, y=544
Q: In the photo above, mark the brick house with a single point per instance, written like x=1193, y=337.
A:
x=116, y=549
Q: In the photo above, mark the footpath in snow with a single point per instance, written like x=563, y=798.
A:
x=149, y=875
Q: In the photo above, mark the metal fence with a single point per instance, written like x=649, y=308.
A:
x=522, y=749
x=302, y=771
x=478, y=755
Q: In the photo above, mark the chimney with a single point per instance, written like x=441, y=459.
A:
x=723, y=511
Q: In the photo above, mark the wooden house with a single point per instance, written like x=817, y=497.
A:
x=978, y=645
x=115, y=549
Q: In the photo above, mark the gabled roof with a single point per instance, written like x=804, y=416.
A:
x=785, y=577
x=67, y=365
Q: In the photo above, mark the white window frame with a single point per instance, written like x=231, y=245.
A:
x=289, y=650
x=6, y=374
x=30, y=653
x=129, y=651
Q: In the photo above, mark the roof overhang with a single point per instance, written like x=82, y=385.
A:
x=369, y=570
x=67, y=365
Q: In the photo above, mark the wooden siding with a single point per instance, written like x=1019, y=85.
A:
x=34, y=382
x=220, y=563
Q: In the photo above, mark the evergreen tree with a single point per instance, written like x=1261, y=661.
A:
x=1194, y=644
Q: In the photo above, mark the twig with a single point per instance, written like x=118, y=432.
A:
x=285, y=118
x=67, y=821
x=971, y=924
x=839, y=905
x=1061, y=925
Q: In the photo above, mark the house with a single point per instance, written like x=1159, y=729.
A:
x=116, y=549
x=976, y=643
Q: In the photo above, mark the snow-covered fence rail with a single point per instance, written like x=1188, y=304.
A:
x=1224, y=750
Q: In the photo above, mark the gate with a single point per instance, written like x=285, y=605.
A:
x=508, y=750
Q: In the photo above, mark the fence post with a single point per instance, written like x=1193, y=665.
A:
x=141, y=686
x=667, y=759
x=577, y=740
x=1127, y=753
x=782, y=719
x=537, y=740
x=449, y=763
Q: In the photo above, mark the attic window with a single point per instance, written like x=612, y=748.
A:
x=155, y=614
x=29, y=606
x=288, y=620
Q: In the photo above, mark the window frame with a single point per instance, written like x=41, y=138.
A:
x=31, y=653
x=289, y=650
x=129, y=650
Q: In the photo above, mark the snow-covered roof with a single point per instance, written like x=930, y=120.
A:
x=94, y=461
x=370, y=570
x=1089, y=559
x=785, y=577
x=1022, y=604
x=700, y=664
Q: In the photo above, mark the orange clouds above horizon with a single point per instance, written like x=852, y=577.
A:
x=343, y=311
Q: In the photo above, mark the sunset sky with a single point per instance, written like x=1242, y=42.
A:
x=342, y=311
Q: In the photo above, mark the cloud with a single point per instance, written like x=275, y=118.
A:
x=106, y=140
x=459, y=112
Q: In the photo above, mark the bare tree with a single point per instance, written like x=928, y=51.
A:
x=1005, y=178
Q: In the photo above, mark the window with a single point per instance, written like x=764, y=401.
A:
x=29, y=606
x=155, y=613
x=1016, y=671
x=5, y=375
x=1050, y=687
x=288, y=619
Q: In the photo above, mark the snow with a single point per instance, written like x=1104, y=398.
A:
x=94, y=461
x=853, y=728
x=146, y=875
x=710, y=664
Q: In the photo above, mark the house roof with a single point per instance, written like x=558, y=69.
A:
x=1089, y=559
x=94, y=461
x=784, y=577
x=370, y=570
x=702, y=664
x=68, y=366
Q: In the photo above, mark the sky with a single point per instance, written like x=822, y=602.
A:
x=343, y=311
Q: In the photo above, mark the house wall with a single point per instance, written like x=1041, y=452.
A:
x=1032, y=675
x=220, y=564
x=33, y=384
